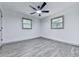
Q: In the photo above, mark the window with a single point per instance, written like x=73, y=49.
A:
x=57, y=22
x=26, y=23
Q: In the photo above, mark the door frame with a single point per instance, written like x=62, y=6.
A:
x=1, y=27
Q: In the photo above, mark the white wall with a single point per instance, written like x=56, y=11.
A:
x=70, y=33
x=12, y=27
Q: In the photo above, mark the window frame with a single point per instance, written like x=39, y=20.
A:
x=26, y=19
x=57, y=18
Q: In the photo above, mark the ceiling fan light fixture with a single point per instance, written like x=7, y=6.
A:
x=39, y=11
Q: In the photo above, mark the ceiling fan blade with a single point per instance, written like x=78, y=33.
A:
x=39, y=14
x=43, y=5
x=33, y=13
x=46, y=11
x=33, y=8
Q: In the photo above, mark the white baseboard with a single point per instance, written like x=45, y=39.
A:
x=66, y=42
x=62, y=41
x=6, y=43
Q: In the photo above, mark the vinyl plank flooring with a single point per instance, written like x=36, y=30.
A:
x=39, y=47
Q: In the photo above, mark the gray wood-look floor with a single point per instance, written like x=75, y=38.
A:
x=40, y=47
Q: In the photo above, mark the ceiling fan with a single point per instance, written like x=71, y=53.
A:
x=39, y=9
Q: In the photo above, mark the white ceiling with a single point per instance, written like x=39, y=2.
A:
x=23, y=7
